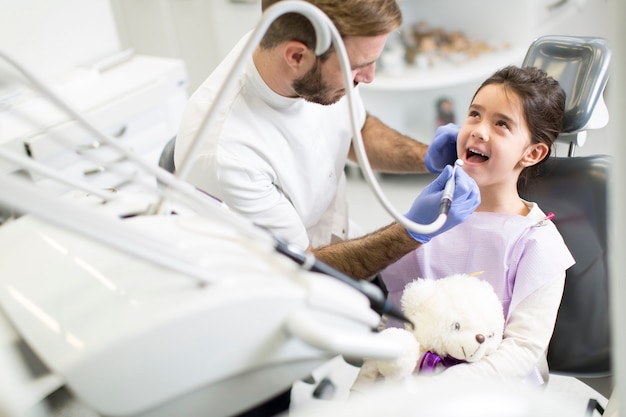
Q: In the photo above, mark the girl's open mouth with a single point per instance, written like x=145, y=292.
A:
x=475, y=156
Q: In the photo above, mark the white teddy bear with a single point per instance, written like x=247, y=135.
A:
x=457, y=319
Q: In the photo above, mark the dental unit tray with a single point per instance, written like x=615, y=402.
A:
x=154, y=301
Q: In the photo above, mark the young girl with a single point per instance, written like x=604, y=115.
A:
x=512, y=123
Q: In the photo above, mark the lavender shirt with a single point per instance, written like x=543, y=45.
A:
x=517, y=254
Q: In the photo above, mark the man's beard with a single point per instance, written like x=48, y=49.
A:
x=311, y=87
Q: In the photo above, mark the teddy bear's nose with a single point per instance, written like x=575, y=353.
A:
x=480, y=338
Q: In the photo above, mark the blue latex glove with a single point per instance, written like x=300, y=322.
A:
x=442, y=149
x=425, y=208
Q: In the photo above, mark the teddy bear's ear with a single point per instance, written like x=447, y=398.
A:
x=415, y=293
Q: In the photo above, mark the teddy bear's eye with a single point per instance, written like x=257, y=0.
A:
x=457, y=326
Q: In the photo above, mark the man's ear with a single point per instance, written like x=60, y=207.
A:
x=534, y=154
x=298, y=56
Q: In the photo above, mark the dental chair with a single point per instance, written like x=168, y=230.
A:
x=574, y=188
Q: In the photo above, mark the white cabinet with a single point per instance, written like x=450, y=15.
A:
x=139, y=101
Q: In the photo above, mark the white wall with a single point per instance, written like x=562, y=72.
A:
x=53, y=36
x=201, y=32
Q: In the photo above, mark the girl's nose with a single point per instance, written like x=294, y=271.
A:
x=480, y=133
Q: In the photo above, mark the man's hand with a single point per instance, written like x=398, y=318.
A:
x=442, y=149
x=425, y=208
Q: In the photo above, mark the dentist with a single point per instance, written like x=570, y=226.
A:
x=277, y=152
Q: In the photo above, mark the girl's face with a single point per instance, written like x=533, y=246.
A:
x=494, y=141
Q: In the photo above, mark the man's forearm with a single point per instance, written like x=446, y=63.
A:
x=389, y=151
x=363, y=257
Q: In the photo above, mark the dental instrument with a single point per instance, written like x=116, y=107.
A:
x=448, y=192
x=381, y=305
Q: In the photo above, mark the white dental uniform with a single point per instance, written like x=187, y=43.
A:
x=278, y=161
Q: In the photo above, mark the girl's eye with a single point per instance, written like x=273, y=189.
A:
x=502, y=123
x=473, y=113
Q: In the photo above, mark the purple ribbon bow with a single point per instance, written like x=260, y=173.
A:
x=430, y=361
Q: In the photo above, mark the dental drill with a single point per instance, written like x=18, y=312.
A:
x=448, y=193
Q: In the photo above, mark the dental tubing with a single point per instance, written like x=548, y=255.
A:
x=359, y=148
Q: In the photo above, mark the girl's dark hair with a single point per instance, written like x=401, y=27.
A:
x=543, y=101
x=350, y=17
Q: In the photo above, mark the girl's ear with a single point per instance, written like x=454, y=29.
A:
x=534, y=154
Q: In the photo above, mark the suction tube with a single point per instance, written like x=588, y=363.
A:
x=357, y=142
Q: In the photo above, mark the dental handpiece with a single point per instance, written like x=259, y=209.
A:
x=378, y=301
x=448, y=190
